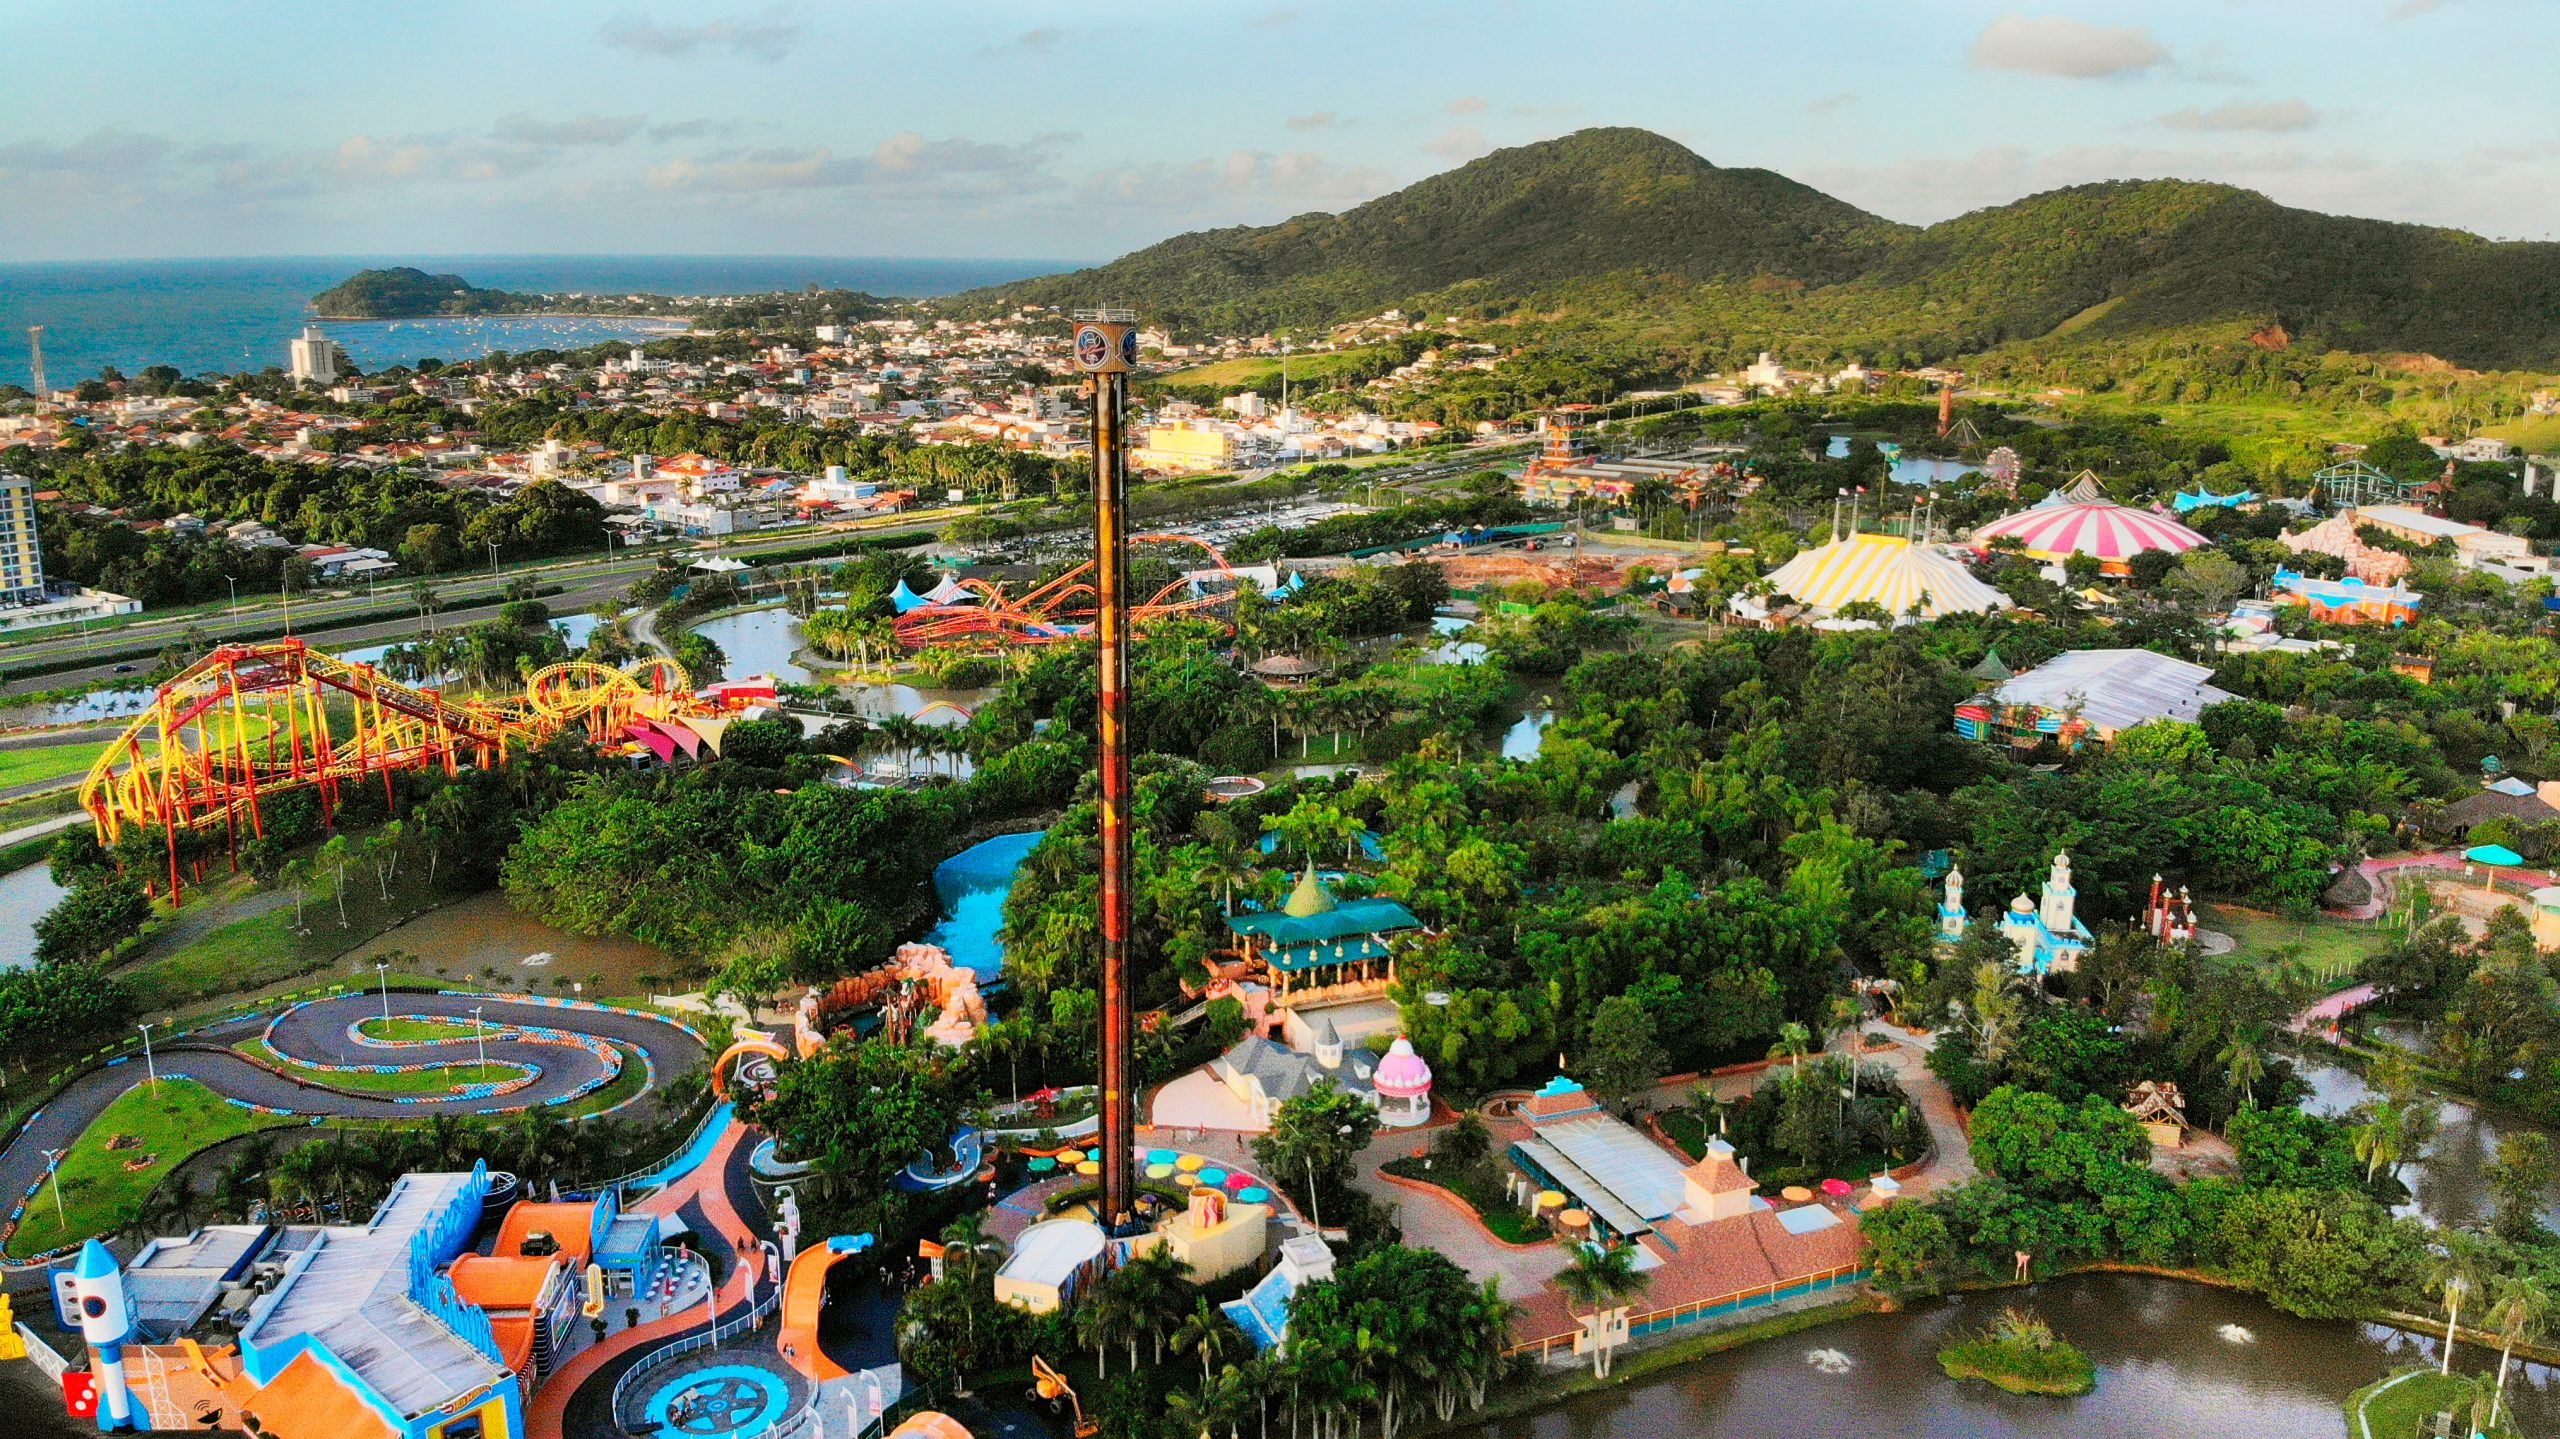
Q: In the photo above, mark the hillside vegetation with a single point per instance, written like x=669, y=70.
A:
x=1621, y=231
x=404, y=291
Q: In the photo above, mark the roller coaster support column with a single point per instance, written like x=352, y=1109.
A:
x=1106, y=345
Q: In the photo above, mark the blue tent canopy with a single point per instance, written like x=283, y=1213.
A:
x=2492, y=854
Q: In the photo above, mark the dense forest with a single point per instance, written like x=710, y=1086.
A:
x=1627, y=233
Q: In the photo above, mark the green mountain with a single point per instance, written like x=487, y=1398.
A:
x=1514, y=224
x=1620, y=232
x=405, y=292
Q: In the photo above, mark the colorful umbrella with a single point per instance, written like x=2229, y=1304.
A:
x=1213, y=1175
x=1162, y=1156
x=1255, y=1195
x=1089, y=1167
x=1836, y=1188
x=1041, y=1165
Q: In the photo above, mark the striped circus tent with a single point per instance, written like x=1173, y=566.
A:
x=1886, y=571
x=2112, y=533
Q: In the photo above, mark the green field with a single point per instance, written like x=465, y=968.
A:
x=1255, y=372
x=32, y=764
x=2538, y=435
x=443, y=1079
x=99, y=1194
x=2324, y=949
x=2400, y=1411
x=405, y=1031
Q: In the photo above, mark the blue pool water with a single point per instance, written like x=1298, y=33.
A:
x=972, y=885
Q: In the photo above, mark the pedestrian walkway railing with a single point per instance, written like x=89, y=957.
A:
x=673, y=1349
x=692, y=1137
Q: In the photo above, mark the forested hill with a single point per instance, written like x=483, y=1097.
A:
x=1625, y=229
x=1516, y=223
x=404, y=291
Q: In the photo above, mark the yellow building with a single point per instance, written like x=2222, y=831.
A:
x=21, y=557
x=1178, y=449
x=1215, y=1235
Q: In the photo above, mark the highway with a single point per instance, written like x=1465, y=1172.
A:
x=585, y=583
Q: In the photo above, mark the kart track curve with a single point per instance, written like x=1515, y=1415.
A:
x=568, y=1051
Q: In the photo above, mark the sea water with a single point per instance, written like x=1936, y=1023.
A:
x=233, y=315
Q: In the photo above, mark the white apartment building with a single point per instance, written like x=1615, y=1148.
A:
x=21, y=554
x=314, y=357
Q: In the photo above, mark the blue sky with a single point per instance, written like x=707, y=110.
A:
x=212, y=127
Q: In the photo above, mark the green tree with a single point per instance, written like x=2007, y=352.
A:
x=1622, y=1058
x=1602, y=1278
x=2518, y=1176
x=1314, y=1143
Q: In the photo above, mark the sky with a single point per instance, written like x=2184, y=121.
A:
x=994, y=130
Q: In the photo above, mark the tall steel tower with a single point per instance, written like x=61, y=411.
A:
x=1106, y=348
x=35, y=360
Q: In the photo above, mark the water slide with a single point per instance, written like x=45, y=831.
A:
x=804, y=1293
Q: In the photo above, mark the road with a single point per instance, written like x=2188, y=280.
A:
x=584, y=585
x=318, y=1032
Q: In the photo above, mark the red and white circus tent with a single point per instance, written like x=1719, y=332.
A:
x=2110, y=532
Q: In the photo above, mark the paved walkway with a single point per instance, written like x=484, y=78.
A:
x=42, y=827
x=1951, y=1163
x=708, y=1188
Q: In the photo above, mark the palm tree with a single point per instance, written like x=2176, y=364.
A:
x=2523, y=1304
x=1793, y=1039
x=296, y=875
x=2457, y=1271
x=1994, y=1008
x=2245, y=1063
x=335, y=856
x=443, y=819
x=1208, y=1331
x=1604, y=1279
x=2379, y=1135
x=1100, y=1320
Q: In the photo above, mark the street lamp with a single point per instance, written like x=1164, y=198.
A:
x=382, y=971
x=481, y=1038
x=53, y=1172
x=149, y=1068
x=234, y=582
x=493, y=559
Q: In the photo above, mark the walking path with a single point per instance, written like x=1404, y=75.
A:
x=706, y=1190
x=55, y=825
x=2448, y=861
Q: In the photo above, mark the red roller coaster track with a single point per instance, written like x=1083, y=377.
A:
x=1059, y=610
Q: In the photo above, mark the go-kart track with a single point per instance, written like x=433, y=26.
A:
x=543, y=1052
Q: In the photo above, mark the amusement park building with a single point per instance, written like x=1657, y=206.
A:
x=2089, y=694
x=389, y=1329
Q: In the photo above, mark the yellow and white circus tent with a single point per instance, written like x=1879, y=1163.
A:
x=1888, y=572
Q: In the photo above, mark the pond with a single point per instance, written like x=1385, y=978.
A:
x=484, y=932
x=759, y=642
x=2175, y=1361
x=2450, y=1182
x=1521, y=741
x=947, y=708
x=25, y=895
x=972, y=886
x=1452, y=650
x=1910, y=469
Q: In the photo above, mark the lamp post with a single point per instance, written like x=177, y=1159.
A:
x=382, y=971
x=53, y=1173
x=234, y=582
x=480, y=1037
x=493, y=559
x=149, y=1068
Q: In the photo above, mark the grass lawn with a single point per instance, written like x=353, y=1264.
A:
x=443, y=1079
x=2399, y=1410
x=262, y=950
x=98, y=1192
x=634, y=1074
x=1481, y=1187
x=400, y=1031
x=29, y=764
x=1255, y=371
x=2328, y=949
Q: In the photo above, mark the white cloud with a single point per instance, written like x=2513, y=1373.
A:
x=2277, y=116
x=768, y=37
x=521, y=129
x=906, y=160
x=1825, y=104
x=2059, y=45
x=2409, y=8
x=1320, y=120
x=1457, y=143
x=1277, y=17
x=1466, y=105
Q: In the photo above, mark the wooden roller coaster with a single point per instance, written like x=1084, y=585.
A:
x=1061, y=609
x=249, y=722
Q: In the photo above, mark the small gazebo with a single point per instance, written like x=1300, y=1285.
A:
x=1319, y=949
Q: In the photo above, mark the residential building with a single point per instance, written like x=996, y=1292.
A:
x=1183, y=450
x=2477, y=548
x=314, y=357
x=21, y=552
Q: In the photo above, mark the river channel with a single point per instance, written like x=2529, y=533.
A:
x=2175, y=1361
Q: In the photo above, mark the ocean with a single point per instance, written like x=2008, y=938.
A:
x=228, y=315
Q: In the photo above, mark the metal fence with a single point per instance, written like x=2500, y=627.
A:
x=1656, y=1320
x=674, y=1349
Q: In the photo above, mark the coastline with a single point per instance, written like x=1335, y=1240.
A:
x=688, y=321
